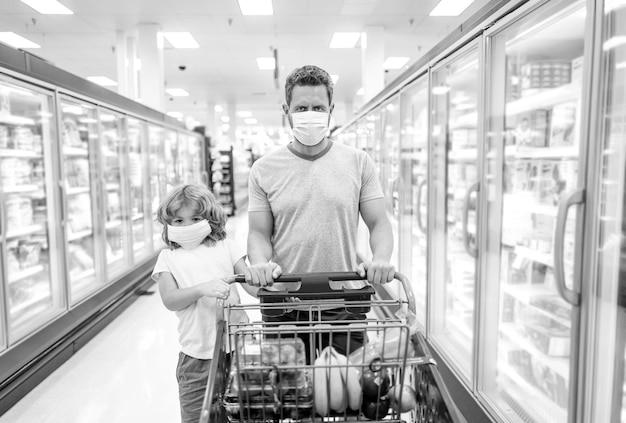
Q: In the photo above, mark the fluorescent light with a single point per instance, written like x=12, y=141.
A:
x=244, y=114
x=177, y=92
x=181, y=39
x=250, y=121
x=620, y=65
x=266, y=63
x=74, y=110
x=107, y=118
x=48, y=7
x=344, y=39
x=335, y=78
x=177, y=115
x=613, y=42
x=395, y=62
x=450, y=7
x=102, y=80
x=17, y=41
x=441, y=90
x=256, y=7
x=218, y=108
x=225, y=127
x=361, y=91
x=225, y=119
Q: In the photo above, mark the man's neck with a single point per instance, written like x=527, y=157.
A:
x=310, y=151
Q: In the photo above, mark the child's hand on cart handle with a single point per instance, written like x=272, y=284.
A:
x=262, y=274
x=377, y=271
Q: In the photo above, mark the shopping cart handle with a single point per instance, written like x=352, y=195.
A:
x=312, y=282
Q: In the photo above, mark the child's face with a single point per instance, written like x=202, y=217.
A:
x=186, y=216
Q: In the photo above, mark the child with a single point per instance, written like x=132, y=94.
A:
x=193, y=275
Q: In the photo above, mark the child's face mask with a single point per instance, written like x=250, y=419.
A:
x=189, y=237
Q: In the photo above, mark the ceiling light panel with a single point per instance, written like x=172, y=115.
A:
x=395, y=62
x=177, y=92
x=256, y=7
x=266, y=63
x=48, y=7
x=344, y=39
x=17, y=41
x=450, y=7
x=102, y=80
x=181, y=39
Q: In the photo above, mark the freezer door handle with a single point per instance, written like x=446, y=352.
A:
x=420, y=221
x=569, y=295
x=471, y=250
x=205, y=178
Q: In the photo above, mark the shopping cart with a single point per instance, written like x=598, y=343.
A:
x=287, y=372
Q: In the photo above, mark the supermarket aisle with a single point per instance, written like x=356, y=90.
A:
x=126, y=373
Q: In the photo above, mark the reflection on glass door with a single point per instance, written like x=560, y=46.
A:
x=116, y=219
x=389, y=157
x=413, y=242
x=28, y=240
x=137, y=172
x=454, y=128
x=608, y=375
x=532, y=167
x=80, y=131
x=196, y=174
x=157, y=180
x=172, y=176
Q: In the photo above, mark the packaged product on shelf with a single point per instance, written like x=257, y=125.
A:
x=551, y=185
x=577, y=69
x=562, y=125
x=550, y=382
x=28, y=254
x=550, y=341
x=521, y=361
x=553, y=304
x=4, y=136
x=79, y=213
x=23, y=138
x=508, y=308
x=537, y=75
x=5, y=101
x=532, y=128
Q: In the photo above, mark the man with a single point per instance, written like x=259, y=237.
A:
x=305, y=199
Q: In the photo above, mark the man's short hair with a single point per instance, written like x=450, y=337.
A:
x=308, y=75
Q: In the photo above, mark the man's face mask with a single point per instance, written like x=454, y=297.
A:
x=309, y=127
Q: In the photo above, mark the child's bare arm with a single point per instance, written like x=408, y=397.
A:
x=175, y=298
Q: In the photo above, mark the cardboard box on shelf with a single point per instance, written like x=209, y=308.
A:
x=532, y=128
x=550, y=341
x=562, y=125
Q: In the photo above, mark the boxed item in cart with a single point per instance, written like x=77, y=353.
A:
x=550, y=341
x=257, y=357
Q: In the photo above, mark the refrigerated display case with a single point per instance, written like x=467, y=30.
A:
x=454, y=196
x=607, y=375
x=533, y=161
x=79, y=133
x=413, y=234
x=158, y=177
x=172, y=162
x=33, y=291
x=115, y=208
x=140, y=213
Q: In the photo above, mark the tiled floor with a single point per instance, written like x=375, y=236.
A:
x=125, y=374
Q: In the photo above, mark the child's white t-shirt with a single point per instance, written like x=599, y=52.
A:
x=197, y=323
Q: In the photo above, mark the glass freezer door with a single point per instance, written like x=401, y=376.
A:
x=608, y=374
x=158, y=176
x=533, y=157
x=113, y=150
x=172, y=166
x=29, y=242
x=139, y=200
x=78, y=141
x=454, y=102
x=414, y=178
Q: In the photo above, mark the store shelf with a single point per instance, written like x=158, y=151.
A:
x=77, y=190
x=556, y=153
x=26, y=273
x=75, y=236
x=545, y=98
x=112, y=187
x=525, y=293
x=26, y=230
x=26, y=308
x=113, y=224
x=75, y=151
x=137, y=216
x=519, y=340
x=24, y=154
x=22, y=189
x=15, y=120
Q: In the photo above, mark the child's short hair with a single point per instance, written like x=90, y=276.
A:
x=203, y=201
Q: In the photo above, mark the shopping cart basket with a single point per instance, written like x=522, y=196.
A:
x=291, y=372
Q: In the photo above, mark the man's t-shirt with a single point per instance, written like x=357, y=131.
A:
x=315, y=204
x=197, y=324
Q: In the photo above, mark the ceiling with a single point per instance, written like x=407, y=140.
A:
x=223, y=71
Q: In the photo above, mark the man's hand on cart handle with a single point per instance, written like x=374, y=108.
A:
x=377, y=271
x=262, y=274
